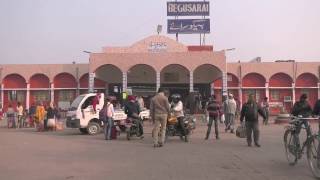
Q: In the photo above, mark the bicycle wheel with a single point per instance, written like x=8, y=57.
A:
x=313, y=155
x=291, y=148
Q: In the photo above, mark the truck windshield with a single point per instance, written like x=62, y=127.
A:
x=76, y=102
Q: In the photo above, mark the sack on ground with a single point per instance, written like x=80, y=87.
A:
x=241, y=132
x=51, y=123
x=222, y=118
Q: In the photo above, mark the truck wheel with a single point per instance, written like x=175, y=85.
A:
x=83, y=130
x=93, y=128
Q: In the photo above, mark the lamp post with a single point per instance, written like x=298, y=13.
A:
x=225, y=75
x=77, y=78
x=91, y=76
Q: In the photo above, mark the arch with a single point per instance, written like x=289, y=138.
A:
x=206, y=73
x=307, y=80
x=109, y=73
x=142, y=73
x=64, y=80
x=253, y=80
x=280, y=80
x=39, y=81
x=14, y=81
x=232, y=81
x=84, y=82
x=174, y=74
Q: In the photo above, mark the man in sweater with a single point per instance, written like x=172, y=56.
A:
x=159, y=110
x=250, y=111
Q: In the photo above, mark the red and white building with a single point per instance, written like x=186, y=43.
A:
x=160, y=61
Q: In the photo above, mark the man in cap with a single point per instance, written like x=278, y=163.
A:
x=230, y=108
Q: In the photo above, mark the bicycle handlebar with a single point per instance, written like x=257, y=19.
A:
x=306, y=118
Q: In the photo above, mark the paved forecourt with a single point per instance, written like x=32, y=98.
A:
x=26, y=154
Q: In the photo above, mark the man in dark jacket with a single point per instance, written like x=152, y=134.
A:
x=302, y=107
x=214, y=111
x=250, y=111
x=132, y=110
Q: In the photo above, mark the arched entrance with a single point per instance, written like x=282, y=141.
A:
x=39, y=89
x=142, y=80
x=65, y=86
x=280, y=92
x=176, y=78
x=99, y=85
x=112, y=76
x=232, y=85
x=15, y=87
x=253, y=83
x=307, y=83
x=203, y=78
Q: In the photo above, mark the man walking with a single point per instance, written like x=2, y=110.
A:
x=230, y=108
x=250, y=112
x=159, y=110
x=214, y=111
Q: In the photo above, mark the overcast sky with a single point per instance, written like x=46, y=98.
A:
x=57, y=31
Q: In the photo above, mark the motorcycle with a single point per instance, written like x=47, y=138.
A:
x=132, y=128
x=173, y=128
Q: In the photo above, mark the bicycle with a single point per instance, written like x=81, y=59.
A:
x=293, y=149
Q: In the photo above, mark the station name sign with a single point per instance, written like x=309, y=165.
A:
x=188, y=26
x=188, y=8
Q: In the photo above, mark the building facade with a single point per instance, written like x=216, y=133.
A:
x=160, y=61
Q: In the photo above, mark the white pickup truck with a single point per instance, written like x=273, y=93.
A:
x=82, y=116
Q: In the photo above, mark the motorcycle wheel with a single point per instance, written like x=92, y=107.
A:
x=128, y=134
x=186, y=138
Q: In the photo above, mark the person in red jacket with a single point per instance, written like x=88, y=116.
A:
x=95, y=101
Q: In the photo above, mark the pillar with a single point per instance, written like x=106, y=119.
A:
x=212, y=88
x=293, y=93
x=240, y=96
x=28, y=96
x=224, y=84
x=78, y=82
x=157, y=81
x=52, y=92
x=267, y=89
x=318, y=90
x=191, y=82
x=124, y=81
x=2, y=94
x=91, y=82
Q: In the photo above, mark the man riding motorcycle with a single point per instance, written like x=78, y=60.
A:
x=132, y=110
x=177, y=109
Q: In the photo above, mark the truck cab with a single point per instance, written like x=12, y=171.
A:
x=82, y=115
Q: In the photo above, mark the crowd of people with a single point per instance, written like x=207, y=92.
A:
x=41, y=117
x=37, y=116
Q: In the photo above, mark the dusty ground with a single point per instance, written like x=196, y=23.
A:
x=26, y=154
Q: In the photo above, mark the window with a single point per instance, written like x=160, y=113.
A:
x=275, y=95
x=65, y=96
x=229, y=78
x=41, y=96
x=18, y=96
x=12, y=95
x=171, y=77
